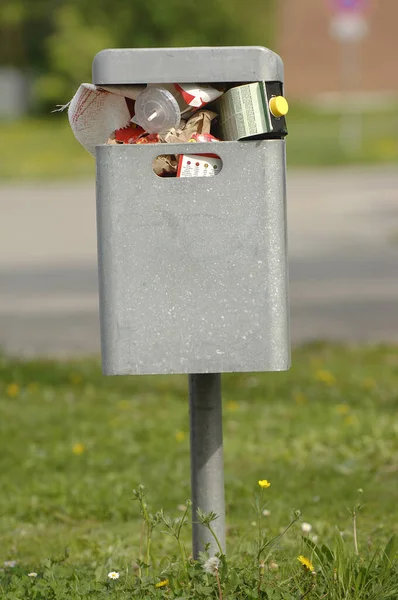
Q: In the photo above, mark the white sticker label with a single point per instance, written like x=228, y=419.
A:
x=195, y=165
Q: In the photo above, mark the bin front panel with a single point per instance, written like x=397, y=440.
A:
x=193, y=271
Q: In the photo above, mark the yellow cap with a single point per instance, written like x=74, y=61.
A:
x=278, y=106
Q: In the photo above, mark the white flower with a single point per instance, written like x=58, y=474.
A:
x=314, y=538
x=32, y=574
x=10, y=563
x=266, y=512
x=113, y=575
x=211, y=565
x=306, y=527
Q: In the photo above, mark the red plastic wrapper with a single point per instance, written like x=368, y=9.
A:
x=129, y=134
x=148, y=138
x=133, y=134
x=203, y=137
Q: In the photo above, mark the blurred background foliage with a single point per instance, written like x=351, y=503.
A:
x=54, y=41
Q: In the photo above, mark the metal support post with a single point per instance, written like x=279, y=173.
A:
x=207, y=465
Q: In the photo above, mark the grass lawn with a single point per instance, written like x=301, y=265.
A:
x=314, y=138
x=46, y=149
x=74, y=445
x=35, y=149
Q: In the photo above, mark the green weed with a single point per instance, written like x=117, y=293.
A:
x=336, y=572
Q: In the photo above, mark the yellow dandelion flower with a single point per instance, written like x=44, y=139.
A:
x=180, y=436
x=124, y=405
x=162, y=583
x=300, y=398
x=306, y=562
x=369, y=383
x=75, y=378
x=78, y=449
x=342, y=409
x=263, y=483
x=325, y=376
x=350, y=420
x=12, y=390
x=232, y=406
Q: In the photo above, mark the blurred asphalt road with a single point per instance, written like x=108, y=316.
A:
x=343, y=247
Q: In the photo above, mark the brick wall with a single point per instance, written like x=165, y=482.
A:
x=313, y=58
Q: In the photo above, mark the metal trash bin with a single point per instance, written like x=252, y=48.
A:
x=192, y=271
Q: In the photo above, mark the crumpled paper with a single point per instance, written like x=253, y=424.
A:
x=200, y=122
x=95, y=112
x=165, y=165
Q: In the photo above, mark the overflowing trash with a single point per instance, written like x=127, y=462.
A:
x=177, y=113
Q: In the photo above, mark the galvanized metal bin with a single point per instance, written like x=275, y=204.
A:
x=192, y=271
